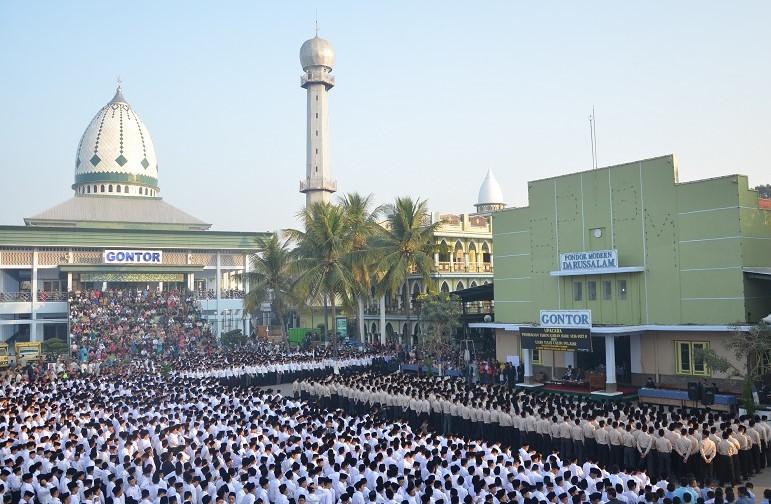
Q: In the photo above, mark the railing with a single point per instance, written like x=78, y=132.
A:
x=414, y=311
x=224, y=294
x=314, y=77
x=460, y=267
x=26, y=297
x=324, y=184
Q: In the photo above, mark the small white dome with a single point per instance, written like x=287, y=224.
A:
x=116, y=148
x=490, y=193
x=317, y=52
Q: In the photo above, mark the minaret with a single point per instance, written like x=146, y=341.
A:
x=317, y=57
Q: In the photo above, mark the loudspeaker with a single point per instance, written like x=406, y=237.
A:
x=709, y=398
x=693, y=391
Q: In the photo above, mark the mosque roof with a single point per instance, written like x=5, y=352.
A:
x=82, y=210
x=490, y=192
x=317, y=52
x=116, y=147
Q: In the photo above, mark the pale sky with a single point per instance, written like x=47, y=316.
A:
x=429, y=95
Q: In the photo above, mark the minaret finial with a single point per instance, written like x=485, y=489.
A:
x=317, y=22
x=119, y=81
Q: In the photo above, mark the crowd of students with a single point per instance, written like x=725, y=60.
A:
x=666, y=442
x=200, y=431
x=136, y=322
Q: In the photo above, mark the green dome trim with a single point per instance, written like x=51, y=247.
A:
x=124, y=178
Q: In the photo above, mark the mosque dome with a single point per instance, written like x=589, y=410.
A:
x=116, y=155
x=317, y=52
x=490, y=195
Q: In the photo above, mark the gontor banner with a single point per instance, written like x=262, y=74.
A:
x=561, y=339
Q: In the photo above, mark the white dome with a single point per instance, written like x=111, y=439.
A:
x=490, y=193
x=116, y=148
x=317, y=52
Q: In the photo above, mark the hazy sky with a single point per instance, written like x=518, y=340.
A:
x=429, y=95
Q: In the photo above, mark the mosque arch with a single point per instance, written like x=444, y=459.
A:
x=472, y=253
x=445, y=288
x=444, y=251
x=458, y=252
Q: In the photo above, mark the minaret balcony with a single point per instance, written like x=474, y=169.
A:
x=318, y=185
x=317, y=78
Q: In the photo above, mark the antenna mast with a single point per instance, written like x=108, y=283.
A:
x=593, y=137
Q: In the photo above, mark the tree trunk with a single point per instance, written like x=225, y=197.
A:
x=407, y=303
x=334, y=328
x=362, y=328
x=284, y=334
x=326, y=319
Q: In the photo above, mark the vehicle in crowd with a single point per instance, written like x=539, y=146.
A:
x=5, y=359
x=28, y=352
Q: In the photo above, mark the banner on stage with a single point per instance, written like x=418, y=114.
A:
x=561, y=339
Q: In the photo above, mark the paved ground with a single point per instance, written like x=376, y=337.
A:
x=761, y=481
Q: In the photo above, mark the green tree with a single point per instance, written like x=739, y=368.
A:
x=363, y=230
x=764, y=191
x=322, y=254
x=270, y=279
x=749, y=352
x=406, y=248
x=440, y=314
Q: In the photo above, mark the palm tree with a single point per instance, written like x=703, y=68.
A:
x=270, y=276
x=407, y=247
x=363, y=230
x=322, y=251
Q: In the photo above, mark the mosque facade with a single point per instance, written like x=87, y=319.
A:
x=116, y=232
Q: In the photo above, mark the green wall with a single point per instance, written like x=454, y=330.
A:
x=692, y=239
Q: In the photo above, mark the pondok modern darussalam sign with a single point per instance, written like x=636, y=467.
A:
x=560, y=330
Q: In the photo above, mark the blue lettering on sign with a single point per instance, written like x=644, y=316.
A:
x=132, y=256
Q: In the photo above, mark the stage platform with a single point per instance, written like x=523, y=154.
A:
x=582, y=389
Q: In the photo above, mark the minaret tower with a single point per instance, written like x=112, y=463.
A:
x=317, y=57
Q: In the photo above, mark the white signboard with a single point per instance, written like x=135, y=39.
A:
x=592, y=259
x=133, y=256
x=514, y=359
x=566, y=318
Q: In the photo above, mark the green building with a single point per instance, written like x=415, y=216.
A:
x=662, y=267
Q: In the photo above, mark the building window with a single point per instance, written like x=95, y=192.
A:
x=125, y=189
x=317, y=115
x=621, y=289
x=591, y=291
x=687, y=361
x=317, y=132
x=89, y=189
x=102, y=188
x=537, y=358
x=578, y=291
x=118, y=188
x=607, y=293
